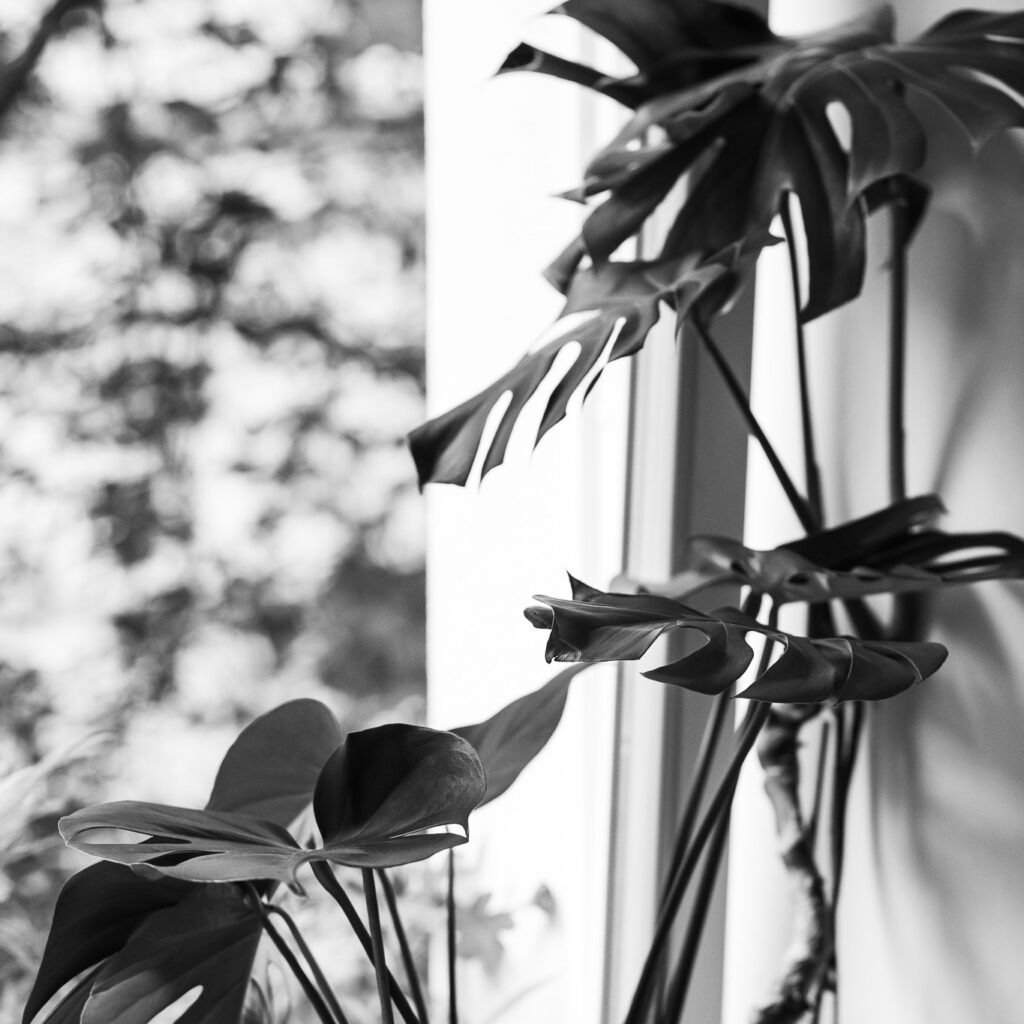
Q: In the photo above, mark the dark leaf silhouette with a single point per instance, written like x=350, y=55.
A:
x=208, y=940
x=673, y=45
x=623, y=302
x=857, y=540
x=384, y=787
x=97, y=911
x=375, y=799
x=785, y=575
x=762, y=128
x=270, y=771
x=595, y=626
x=509, y=740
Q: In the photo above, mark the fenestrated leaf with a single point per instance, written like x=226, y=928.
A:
x=674, y=43
x=623, y=300
x=609, y=627
x=509, y=740
x=785, y=575
x=96, y=912
x=198, y=846
x=776, y=137
x=271, y=769
x=853, y=542
x=207, y=940
x=375, y=799
x=384, y=787
x=269, y=772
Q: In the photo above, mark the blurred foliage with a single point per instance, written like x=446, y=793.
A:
x=210, y=352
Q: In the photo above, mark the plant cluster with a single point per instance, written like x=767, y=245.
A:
x=748, y=118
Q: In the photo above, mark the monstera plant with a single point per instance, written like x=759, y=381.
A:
x=747, y=120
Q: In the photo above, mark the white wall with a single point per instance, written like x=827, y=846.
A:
x=497, y=152
x=932, y=916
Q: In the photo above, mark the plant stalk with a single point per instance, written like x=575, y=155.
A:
x=811, y=470
x=314, y=965
x=403, y=944
x=756, y=716
x=316, y=1001
x=897, y=349
x=808, y=519
x=377, y=938
x=325, y=876
x=453, y=1007
x=680, y=985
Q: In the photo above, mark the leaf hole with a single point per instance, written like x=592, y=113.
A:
x=178, y=1009
x=841, y=124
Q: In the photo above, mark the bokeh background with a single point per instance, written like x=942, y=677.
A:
x=211, y=317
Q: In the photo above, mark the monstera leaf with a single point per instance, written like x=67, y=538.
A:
x=615, y=303
x=596, y=626
x=376, y=799
x=673, y=43
x=761, y=129
x=207, y=940
x=509, y=740
x=898, y=562
x=110, y=919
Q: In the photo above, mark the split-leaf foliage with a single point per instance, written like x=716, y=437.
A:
x=120, y=926
x=747, y=116
x=749, y=120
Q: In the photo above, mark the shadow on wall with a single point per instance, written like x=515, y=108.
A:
x=946, y=781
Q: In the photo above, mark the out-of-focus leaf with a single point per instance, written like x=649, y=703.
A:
x=509, y=740
x=785, y=575
x=595, y=626
x=856, y=540
x=623, y=300
x=673, y=44
x=375, y=800
x=772, y=135
x=384, y=787
x=271, y=769
x=96, y=912
x=480, y=930
x=207, y=940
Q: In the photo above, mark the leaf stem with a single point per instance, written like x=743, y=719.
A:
x=811, y=470
x=453, y=1008
x=325, y=876
x=808, y=519
x=377, y=937
x=847, y=753
x=680, y=984
x=403, y=943
x=713, y=730
x=819, y=784
x=314, y=966
x=757, y=715
x=316, y=1000
x=897, y=348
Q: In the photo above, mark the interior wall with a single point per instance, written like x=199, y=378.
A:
x=932, y=916
x=498, y=151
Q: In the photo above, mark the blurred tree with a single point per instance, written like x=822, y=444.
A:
x=210, y=351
